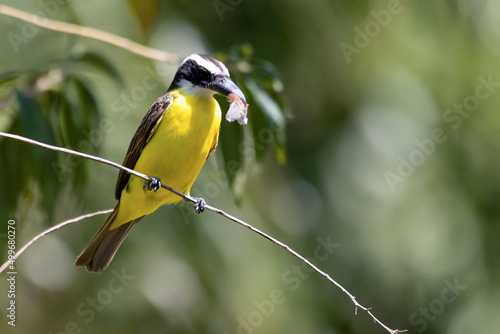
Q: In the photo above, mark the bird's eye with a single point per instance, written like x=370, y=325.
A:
x=203, y=74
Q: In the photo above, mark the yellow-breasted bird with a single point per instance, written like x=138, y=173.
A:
x=178, y=133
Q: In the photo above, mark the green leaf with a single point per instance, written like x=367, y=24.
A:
x=33, y=121
x=230, y=143
x=86, y=101
x=261, y=83
x=70, y=120
x=14, y=175
x=146, y=12
x=35, y=125
x=265, y=102
x=273, y=115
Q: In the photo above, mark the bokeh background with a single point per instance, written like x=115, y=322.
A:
x=390, y=183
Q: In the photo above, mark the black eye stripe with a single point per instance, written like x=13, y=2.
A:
x=199, y=70
x=204, y=74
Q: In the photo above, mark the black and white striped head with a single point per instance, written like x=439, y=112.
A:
x=202, y=75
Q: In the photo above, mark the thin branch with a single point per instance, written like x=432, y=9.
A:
x=94, y=158
x=52, y=229
x=306, y=261
x=79, y=154
x=93, y=33
x=218, y=211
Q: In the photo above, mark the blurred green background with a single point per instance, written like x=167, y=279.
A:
x=390, y=183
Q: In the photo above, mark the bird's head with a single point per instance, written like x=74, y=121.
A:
x=202, y=75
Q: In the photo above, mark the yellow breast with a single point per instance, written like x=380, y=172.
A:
x=186, y=135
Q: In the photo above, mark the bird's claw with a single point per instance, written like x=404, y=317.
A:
x=200, y=204
x=154, y=184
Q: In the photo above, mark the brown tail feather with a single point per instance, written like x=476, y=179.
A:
x=103, y=246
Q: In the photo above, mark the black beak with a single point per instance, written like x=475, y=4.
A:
x=225, y=86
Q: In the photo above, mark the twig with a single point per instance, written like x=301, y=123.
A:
x=213, y=209
x=306, y=261
x=94, y=158
x=79, y=154
x=93, y=33
x=53, y=228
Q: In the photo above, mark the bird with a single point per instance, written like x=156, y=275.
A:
x=171, y=144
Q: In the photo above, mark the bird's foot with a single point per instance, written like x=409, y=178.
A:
x=154, y=184
x=200, y=204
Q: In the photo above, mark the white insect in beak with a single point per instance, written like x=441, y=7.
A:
x=237, y=110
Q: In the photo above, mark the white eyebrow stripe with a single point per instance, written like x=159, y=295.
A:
x=215, y=68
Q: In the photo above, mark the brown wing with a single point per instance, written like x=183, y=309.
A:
x=141, y=137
